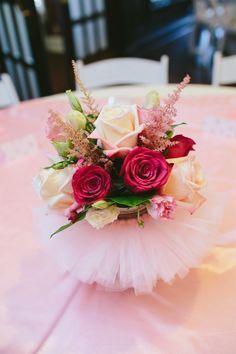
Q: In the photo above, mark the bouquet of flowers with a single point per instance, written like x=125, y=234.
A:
x=124, y=165
x=120, y=162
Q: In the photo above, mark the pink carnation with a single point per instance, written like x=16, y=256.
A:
x=162, y=207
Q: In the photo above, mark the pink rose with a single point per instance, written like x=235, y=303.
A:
x=144, y=170
x=53, y=130
x=90, y=183
x=181, y=148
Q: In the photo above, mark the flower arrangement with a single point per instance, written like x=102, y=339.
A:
x=120, y=161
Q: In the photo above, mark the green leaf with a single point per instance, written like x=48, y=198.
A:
x=62, y=228
x=79, y=217
x=132, y=200
x=58, y=165
x=74, y=102
x=176, y=125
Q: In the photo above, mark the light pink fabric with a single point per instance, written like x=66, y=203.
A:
x=44, y=311
x=122, y=255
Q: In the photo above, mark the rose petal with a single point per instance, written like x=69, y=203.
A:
x=193, y=202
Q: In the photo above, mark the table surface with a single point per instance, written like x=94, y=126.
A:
x=45, y=311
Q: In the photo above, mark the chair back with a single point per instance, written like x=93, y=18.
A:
x=119, y=71
x=8, y=95
x=224, y=69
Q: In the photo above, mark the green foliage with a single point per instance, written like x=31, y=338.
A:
x=176, y=125
x=62, y=164
x=89, y=127
x=62, y=228
x=132, y=200
x=80, y=216
x=74, y=102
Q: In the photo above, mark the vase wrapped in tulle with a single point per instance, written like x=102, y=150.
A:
x=130, y=188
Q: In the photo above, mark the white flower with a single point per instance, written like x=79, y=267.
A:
x=152, y=100
x=98, y=218
x=54, y=187
x=185, y=180
x=76, y=119
x=118, y=127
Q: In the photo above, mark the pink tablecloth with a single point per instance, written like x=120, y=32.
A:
x=44, y=311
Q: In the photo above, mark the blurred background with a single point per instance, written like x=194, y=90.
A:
x=39, y=38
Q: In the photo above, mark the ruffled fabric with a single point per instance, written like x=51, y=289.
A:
x=123, y=255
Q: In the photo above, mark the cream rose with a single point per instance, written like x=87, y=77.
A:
x=54, y=186
x=117, y=127
x=185, y=181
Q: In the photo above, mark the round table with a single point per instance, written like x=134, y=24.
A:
x=45, y=311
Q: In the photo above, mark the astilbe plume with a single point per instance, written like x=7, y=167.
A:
x=88, y=100
x=161, y=119
x=83, y=148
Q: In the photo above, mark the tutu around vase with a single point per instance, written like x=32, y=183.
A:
x=123, y=255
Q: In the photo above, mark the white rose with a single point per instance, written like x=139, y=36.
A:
x=54, y=187
x=98, y=218
x=118, y=127
x=185, y=181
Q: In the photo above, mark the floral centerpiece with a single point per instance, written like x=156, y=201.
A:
x=119, y=164
x=120, y=161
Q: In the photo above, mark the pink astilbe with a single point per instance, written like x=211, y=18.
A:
x=159, y=120
x=169, y=111
x=87, y=152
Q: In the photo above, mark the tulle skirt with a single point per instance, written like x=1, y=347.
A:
x=122, y=255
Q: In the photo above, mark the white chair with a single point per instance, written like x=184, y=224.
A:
x=8, y=95
x=224, y=69
x=124, y=71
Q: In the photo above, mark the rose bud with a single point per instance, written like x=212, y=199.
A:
x=62, y=147
x=181, y=148
x=152, y=100
x=74, y=102
x=76, y=119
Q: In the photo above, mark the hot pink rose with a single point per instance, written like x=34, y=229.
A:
x=90, y=183
x=144, y=170
x=181, y=148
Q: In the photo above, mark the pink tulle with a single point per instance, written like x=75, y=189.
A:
x=122, y=255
